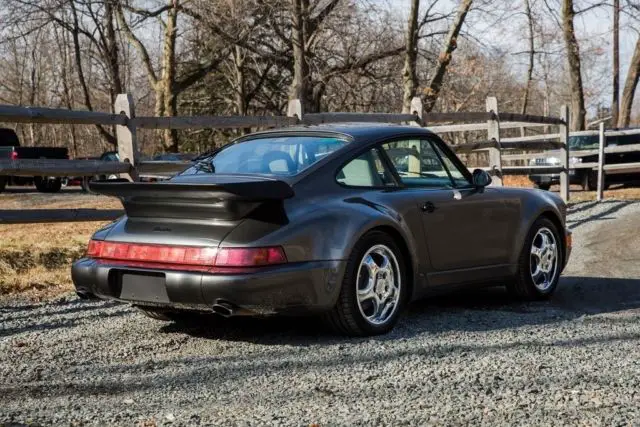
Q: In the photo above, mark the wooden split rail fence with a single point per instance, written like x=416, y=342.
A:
x=126, y=123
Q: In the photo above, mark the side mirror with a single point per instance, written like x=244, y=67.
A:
x=481, y=178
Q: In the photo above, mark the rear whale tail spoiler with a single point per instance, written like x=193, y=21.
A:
x=224, y=200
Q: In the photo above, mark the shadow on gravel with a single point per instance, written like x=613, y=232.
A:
x=77, y=306
x=616, y=206
x=45, y=323
x=472, y=310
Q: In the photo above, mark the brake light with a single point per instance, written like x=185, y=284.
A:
x=14, y=155
x=250, y=257
x=187, y=256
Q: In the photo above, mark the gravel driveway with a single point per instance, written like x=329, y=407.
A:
x=479, y=358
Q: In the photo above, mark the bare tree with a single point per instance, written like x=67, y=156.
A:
x=531, y=55
x=578, y=112
x=630, y=85
x=409, y=75
x=432, y=91
x=615, y=103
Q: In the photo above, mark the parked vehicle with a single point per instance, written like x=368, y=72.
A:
x=107, y=156
x=588, y=178
x=175, y=157
x=10, y=148
x=322, y=220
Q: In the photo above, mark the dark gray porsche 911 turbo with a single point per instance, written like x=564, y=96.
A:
x=350, y=222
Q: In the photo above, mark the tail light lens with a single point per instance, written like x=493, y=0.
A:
x=186, y=256
x=14, y=155
x=250, y=257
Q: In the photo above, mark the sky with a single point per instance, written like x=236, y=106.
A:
x=596, y=23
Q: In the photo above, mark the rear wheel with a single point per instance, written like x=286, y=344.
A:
x=544, y=187
x=591, y=181
x=373, y=290
x=540, y=262
x=47, y=185
x=3, y=183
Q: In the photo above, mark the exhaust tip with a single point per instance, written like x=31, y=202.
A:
x=223, y=309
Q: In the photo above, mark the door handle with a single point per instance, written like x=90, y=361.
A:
x=428, y=207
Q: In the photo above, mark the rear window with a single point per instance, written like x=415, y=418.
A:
x=281, y=156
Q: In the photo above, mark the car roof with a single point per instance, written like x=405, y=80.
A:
x=359, y=132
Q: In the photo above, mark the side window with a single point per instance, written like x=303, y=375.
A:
x=417, y=164
x=459, y=178
x=367, y=170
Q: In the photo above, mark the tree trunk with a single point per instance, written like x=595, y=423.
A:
x=301, y=83
x=409, y=76
x=432, y=91
x=239, y=81
x=111, y=43
x=630, y=85
x=532, y=52
x=578, y=112
x=615, y=103
x=75, y=34
x=167, y=83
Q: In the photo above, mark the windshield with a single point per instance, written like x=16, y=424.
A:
x=282, y=156
x=583, y=142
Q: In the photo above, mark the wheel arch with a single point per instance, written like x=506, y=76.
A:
x=410, y=264
x=555, y=219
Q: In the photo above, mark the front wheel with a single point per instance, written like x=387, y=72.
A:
x=540, y=263
x=373, y=290
x=545, y=186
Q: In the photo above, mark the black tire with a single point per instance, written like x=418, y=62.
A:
x=544, y=187
x=347, y=317
x=524, y=286
x=3, y=183
x=592, y=181
x=84, y=184
x=47, y=185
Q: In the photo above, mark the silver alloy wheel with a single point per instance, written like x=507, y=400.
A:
x=544, y=259
x=378, y=285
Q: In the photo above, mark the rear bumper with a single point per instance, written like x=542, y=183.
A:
x=290, y=288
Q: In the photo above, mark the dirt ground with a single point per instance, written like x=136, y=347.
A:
x=35, y=258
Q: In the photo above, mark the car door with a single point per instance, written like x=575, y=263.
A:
x=464, y=227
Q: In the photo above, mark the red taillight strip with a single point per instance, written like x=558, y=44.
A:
x=181, y=256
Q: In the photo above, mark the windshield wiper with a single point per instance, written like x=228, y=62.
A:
x=207, y=154
x=205, y=166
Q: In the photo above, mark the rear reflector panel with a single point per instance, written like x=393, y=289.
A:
x=184, y=257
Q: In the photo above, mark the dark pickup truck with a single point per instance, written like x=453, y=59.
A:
x=10, y=149
x=588, y=178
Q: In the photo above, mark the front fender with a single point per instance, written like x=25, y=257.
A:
x=538, y=203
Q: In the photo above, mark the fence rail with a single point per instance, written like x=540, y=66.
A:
x=491, y=121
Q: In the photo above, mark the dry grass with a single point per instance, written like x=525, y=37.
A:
x=577, y=195
x=35, y=259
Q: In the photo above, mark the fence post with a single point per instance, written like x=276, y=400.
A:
x=417, y=109
x=493, y=131
x=564, y=154
x=601, y=145
x=294, y=109
x=126, y=135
